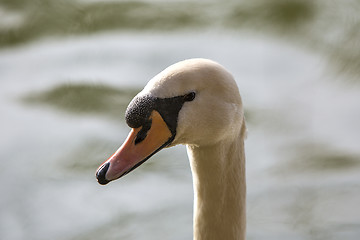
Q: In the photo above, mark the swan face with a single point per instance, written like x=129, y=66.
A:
x=216, y=111
x=194, y=102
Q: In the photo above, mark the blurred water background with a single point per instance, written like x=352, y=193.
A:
x=68, y=69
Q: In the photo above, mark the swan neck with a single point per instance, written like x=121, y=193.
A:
x=219, y=190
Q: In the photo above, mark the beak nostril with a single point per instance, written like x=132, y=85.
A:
x=143, y=132
x=101, y=174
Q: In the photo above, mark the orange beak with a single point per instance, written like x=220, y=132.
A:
x=131, y=154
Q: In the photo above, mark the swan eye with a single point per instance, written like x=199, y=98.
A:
x=189, y=97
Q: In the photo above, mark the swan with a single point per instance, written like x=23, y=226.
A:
x=195, y=102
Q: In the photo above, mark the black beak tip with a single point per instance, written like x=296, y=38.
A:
x=101, y=174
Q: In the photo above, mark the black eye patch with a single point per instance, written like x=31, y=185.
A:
x=140, y=108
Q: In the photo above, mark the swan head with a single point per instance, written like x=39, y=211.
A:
x=193, y=102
